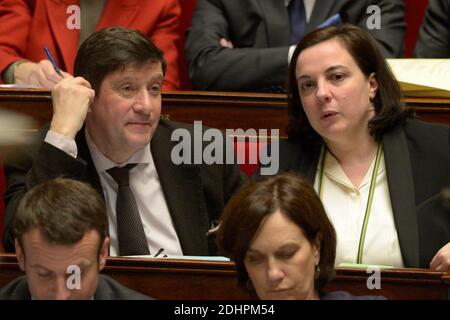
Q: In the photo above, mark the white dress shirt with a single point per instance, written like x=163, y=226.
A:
x=309, y=6
x=346, y=205
x=146, y=187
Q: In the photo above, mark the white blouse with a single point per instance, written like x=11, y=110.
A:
x=345, y=206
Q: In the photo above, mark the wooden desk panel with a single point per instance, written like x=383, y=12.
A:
x=409, y=284
x=208, y=280
x=216, y=109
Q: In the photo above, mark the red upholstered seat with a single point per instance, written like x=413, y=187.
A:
x=244, y=159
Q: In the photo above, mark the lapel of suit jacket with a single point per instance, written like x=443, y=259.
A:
x=401, y=190
x=118, y=13
x=276, y=14
x=65, y=39
x=302, y=158
x=309, y=159
x=91, y=175
x=182, y=189
x=320, y=13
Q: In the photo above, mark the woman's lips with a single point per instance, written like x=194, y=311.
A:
x=328, y=114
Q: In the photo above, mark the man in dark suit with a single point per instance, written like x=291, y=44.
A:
x=62, y=243
x=434, y=34
x=245, y=45
x=108, y=118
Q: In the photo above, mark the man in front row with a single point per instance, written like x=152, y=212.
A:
x=62, y=242
x=106, y=130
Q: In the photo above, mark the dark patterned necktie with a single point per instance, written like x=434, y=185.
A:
x=297, y=15
x=130, y=232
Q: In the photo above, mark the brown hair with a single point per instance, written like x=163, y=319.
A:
x=294, y=197
x=111, y=49
x=63, y=210
x=389, y=109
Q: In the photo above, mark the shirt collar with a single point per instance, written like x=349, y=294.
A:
x=334, y=171
x=102, y=163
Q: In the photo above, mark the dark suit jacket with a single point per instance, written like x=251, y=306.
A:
x=434, y=35
x=195, y=194
x=259, y=31
x=108, y=289
x=417, y=158
x=434, y=219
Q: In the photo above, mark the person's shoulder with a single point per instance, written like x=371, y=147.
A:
x=434, y=136
x=344, y=295
x=425, y=128
x=16, y=290
x=110, y=289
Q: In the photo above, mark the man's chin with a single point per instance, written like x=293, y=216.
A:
x=139, y=141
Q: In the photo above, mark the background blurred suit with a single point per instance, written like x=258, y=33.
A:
x=259, y=31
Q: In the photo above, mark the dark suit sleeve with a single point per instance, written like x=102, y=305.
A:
x=244, y=68
x=390, y=36
x=29, y=167
x=434, y=233
x=434, y=35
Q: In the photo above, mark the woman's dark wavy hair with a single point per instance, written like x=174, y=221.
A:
x=297, y=200
x=389, y=109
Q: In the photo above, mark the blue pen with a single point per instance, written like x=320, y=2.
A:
x=50, y=57
x=335, y=20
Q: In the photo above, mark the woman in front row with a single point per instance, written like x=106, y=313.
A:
x=379, y=174
x=281, y=240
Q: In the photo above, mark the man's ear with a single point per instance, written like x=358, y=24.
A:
x=20, y=255
x=103, y=254
x=316, y=246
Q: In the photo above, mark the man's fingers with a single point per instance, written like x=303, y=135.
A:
x=434, y=262
x=43, y=80
x=440, y=267
x=66, y=75
x=441, y=261
x=78, y=84
x=49, y=71
x=80, y=81
x=91, y=96
x=226, y=43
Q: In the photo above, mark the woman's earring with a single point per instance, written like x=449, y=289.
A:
x=316, y=272
x=249, y=285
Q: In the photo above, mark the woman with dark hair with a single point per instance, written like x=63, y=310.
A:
x=281, y=239
x=372, y=166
